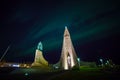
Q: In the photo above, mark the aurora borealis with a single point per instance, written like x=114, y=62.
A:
x=93, y=26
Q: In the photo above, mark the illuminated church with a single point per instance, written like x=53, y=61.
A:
x=68, y=58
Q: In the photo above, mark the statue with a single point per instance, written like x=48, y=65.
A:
x=40, y=47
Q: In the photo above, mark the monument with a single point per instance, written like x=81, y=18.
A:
x=68, y=58
x=39, y=59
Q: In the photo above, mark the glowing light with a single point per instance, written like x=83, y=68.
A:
x=107, y=61
x=16, y=65
x=78, y=59
x=101, y=60
x=26, y=74
x=56, y=67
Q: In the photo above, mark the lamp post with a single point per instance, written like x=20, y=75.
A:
x=78, y=62
x=101, y=60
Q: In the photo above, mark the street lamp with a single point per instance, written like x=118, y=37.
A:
x=78, y=62
x=101, y=60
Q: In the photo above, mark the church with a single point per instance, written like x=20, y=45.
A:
x=68, y=58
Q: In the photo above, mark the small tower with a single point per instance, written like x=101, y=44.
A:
x=39, y=59
x=68, y=56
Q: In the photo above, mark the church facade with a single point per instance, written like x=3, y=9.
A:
x=68, y=55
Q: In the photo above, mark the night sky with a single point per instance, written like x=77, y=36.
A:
x=93, y=25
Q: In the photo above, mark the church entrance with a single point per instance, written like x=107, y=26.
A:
x=69, y=61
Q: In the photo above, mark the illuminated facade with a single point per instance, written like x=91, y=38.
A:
x=68, y=56
x=39, y=59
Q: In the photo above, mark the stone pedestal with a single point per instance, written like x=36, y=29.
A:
x=39, y=59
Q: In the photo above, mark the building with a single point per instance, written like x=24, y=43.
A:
x=68, y=58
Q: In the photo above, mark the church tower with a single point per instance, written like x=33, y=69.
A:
x=68, y=56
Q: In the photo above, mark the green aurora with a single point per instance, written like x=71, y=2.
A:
x=32, y=22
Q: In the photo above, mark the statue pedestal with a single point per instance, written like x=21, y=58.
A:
x=39, y=59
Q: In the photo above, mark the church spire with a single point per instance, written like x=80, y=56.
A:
x=66, y=32
x=68, y=55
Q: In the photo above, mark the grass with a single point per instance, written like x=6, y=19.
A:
x=85, y=73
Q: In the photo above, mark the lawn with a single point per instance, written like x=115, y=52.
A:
x=84, y=73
